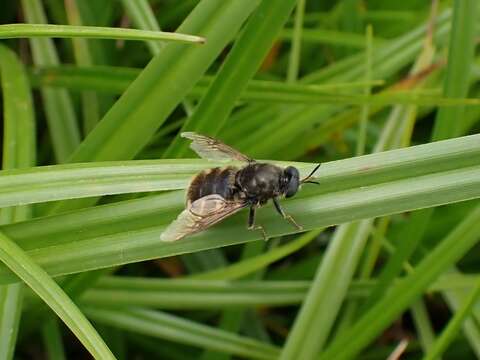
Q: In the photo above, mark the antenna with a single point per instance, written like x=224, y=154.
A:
x=306, y=179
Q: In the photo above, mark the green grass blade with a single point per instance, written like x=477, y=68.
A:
x=9, y=31
x=294, y=59
x=130, y=123
x=19, y=133
x=24, y=186
x=450, y=122
x=142, y=109
x=455, y=298
x=36, y=278
x=157, y=290
x=459, y=68
x=18, y=151
x=52, y=337
x=349, y=241
x=243, y=61
x=93, y=179
x=422, y=324
x=455, y=85
x=322, y=305
x=454, y=325
x=62, y=123
x=144, y=18
x=331, y=37
x=362, y=129
x=352, y=189
x=379, y=316
x=418, y=221
x=189, y=294
x=248, y=266
x=287, y=127
x=166, y=326
x=346, y=243
x=233, y=320
x=83, y=57
x=11, y=303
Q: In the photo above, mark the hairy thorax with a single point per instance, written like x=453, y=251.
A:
x=259, y=182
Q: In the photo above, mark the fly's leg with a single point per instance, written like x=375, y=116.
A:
x=285, y=215
x=251, y=223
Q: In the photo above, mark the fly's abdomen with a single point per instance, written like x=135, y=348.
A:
x=213, y=181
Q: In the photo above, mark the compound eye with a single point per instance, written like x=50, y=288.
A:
x=293, y=181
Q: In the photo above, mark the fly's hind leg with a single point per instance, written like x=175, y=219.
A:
x=285, y=215
x=251, y=223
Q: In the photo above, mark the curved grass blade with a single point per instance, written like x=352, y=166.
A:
x=9, y=31
x=36, y=278
x=144, y=18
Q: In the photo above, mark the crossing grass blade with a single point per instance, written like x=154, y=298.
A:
x=449, y=250
x=243, y=61
x=36, y=278
x=142, y=109
x=62, y=123
x=84, y=58
x=453, y=327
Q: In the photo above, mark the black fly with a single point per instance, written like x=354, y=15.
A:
x=217, y=193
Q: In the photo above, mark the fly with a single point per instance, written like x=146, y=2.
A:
x=217, y=193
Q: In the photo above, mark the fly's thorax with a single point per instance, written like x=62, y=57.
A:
x=219, y=180
x=260, y=181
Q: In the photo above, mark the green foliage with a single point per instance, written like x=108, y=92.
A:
x=297, y=82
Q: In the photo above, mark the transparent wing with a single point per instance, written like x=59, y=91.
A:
x=213, y=149
x=199, y=215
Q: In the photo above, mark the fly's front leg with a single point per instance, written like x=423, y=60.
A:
x=251, y=222
x=285, y=215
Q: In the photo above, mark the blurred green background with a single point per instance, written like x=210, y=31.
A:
x=388, y=264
